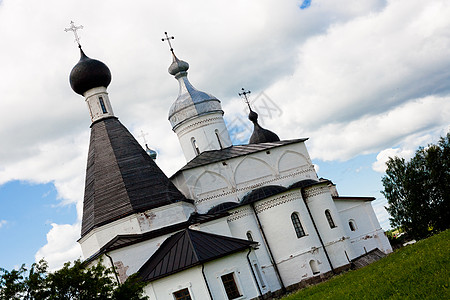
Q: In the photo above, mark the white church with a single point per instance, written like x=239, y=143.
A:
x=235, y=222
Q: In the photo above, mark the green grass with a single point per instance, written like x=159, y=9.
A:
x=419, y=271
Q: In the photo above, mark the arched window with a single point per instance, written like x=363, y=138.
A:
x=297, y=225
x=249, y=236
x=329, y=218
x=218, y=138
x=352, y=225
x=314, y=267
x=195, y=146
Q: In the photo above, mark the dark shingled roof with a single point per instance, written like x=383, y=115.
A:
x=263, y=193
x=222, y=207
x=121, y=179
x=188, y=248
x=213, y=156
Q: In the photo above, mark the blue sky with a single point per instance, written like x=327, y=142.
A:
x=29, y=209
x=363, y=80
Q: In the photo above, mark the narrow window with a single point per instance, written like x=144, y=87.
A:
x=352, y=226
x=182, y=294
x=194, y=144
x=297, y=225
x=102, y=104
x=329, y=219
x=258, y=273
x=314, y=266
x=218, y=138
x=230, y=286
x=249, y=236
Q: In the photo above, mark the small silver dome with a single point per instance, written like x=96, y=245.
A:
x=190, y=102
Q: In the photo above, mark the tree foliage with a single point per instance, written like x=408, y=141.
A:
x=70, y=282
x=418, y=191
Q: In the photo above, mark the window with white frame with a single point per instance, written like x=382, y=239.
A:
x=231, y=288
x=182, y=294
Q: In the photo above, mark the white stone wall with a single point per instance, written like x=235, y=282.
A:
x=292, y=254
x=238, y=264
x=134, y=224
x=193, y=279
x=203, y=129
x=368, y=233
x=163, y=289
x=241, y=221
x=336, y=240
x=230, y=180
x=94, y=97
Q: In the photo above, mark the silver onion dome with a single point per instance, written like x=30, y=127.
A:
x=190, y=102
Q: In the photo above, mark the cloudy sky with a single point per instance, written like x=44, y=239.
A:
x=364, y=80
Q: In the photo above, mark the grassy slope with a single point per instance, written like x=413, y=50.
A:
x=416, y=272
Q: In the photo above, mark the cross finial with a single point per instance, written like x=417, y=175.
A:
x=168, y=38
x=244, y=96
x=143, y=135
x=74, y=29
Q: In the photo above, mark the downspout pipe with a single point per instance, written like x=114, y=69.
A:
x=253, y=272
x=113, y=267
x=272, y=260
x=206, y=282
x=317, y=231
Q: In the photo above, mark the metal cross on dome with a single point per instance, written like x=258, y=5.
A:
x=143, y=135
x=74, y=29
x=244, y=96
x=168, y=38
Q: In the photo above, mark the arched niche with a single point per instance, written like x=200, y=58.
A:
x=251, y=168
x=291, y=160
x=314, y=267
x=209, y=181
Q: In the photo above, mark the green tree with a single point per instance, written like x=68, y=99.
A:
x=418, y=191
x=72, y=281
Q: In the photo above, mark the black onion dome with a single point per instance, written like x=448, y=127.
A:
x=303, y=183
x=260, y=135
x=89, y=73
x=222, y=207
x=263, y=193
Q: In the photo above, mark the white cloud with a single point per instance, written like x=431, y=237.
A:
x=61, y=245
x=383, y=157
x=3, y=223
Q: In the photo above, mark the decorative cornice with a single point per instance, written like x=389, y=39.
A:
x=254, y=186
x=240, y=213
x=265, y=205
x=315, y=191
x=202, y=123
